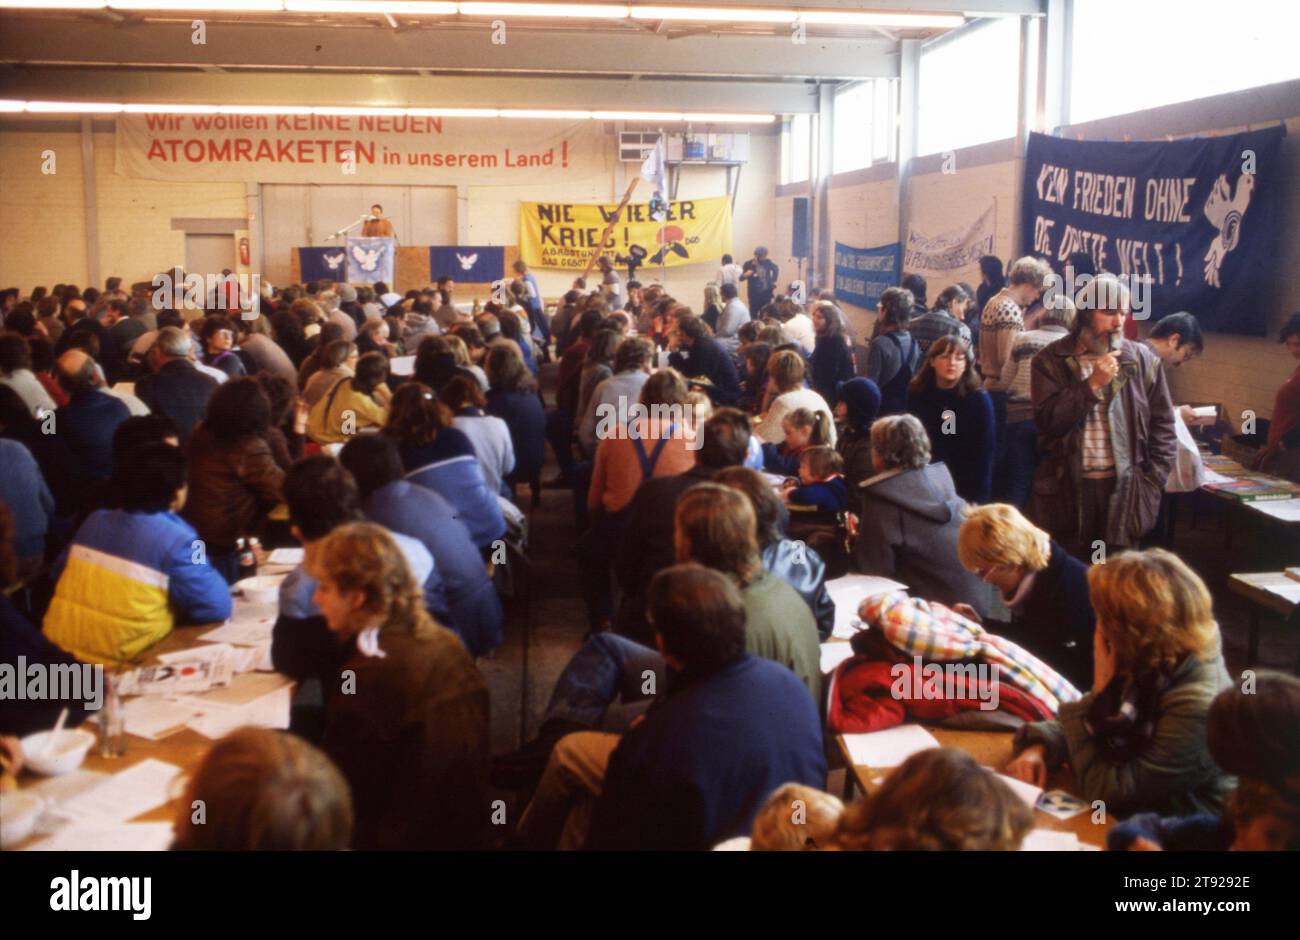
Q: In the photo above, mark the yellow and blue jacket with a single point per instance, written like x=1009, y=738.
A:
x=125, y=580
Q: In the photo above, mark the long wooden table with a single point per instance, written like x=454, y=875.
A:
x=183, y=749
x=992, y=749
x=1272, y=592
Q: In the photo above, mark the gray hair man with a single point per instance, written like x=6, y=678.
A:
x=1106, y=429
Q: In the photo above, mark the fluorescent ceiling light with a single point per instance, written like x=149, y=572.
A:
x=377, y=7
x=885, y=20
x=713, y=14
x=589, y=11
x=201, y=6
x=54, y=4
x=103, y=107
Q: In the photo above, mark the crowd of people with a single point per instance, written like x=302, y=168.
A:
x=1004, y=453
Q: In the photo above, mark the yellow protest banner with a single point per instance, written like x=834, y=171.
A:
x=563, y=234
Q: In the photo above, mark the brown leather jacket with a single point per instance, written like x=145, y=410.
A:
x=411, y=736
x=231, y=488
x=1141, y=419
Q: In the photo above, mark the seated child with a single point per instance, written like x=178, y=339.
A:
x=796, y=818
x=1251, y=735
x=803, y=428
x=937, y=800
x=822, y=484
x=263, y=790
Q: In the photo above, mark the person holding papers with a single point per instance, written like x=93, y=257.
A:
x=132, y=573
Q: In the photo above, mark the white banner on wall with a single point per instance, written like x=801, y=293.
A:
x=952, y=254
x=358, y=149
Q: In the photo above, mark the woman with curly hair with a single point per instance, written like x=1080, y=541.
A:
x=414, y=746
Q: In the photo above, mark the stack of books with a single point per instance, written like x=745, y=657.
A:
x=1249, y=487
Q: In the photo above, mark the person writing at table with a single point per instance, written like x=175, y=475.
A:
x=1137, y=741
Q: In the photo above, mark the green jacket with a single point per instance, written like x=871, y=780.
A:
x=779, y=626
x=1175, y=776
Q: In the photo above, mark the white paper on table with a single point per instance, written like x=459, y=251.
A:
x=1026, y=791
x=118, y=837
x=239, y=658
x=66, y=786
x=1287, y=510
x=249, y=625
x=1050, y=840
x=286, y=556
x=124, y=795
x=269, y=711
x=834, y=653
x=848, y=593
x=155, y=716
x=1212, y=476
x=776, y=480
x=402, y=365
x=888, y=748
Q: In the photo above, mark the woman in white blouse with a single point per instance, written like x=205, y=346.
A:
x=785, y=372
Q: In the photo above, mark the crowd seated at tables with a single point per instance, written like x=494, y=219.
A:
x=978, y=456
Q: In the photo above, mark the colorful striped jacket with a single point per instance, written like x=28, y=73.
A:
x=125, y=580
x=937, y=634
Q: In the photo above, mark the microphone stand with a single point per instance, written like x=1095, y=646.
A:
x=347, y=228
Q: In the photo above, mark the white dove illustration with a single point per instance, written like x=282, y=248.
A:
x=1225, y=213
x=367, y=259
x=333, y=261
x=466, y=263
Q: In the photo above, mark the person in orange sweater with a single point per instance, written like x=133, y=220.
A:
x=634, y=443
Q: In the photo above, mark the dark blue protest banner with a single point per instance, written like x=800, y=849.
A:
x=1192, y=224
x=472, y=264
x=322, y=264
x=863, y=274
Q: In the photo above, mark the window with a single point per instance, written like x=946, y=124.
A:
x=796, y=149
x=886, y=109
x=1128, y=56
x=970, y=87
x=853, y=127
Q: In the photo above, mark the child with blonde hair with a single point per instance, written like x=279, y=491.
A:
x=796, y=818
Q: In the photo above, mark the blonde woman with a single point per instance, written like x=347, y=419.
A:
x=1137, y=741
x=1045, y=588
x=785, y=375
x=407, y=720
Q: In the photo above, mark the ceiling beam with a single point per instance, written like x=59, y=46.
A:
x=324, y=89
x=84, y=42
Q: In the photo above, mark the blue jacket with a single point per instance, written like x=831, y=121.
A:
x=125, y=580
x=522, y=412
x=830, y=496
x=23, y=490
x=87, y=423
x=23, y=716
x=451, y=469
x=179, y=391
x=708, y=754
x=474, y=610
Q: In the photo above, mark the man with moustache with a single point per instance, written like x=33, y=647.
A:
x=1106, y=429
